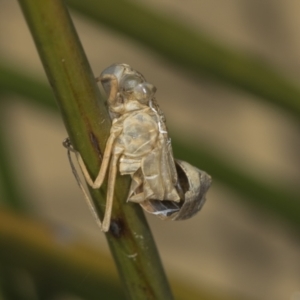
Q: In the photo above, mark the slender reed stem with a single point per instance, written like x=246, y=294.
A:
x=88, y=125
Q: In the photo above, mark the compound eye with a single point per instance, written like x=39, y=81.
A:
x=143, y=92
x=129, y=82
x=116, y=70
x=110, y=74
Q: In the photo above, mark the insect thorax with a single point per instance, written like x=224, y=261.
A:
x=140, y=133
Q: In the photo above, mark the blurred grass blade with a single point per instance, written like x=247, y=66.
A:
x=12, y=195
x=273, y=198
x=55, y=261
x=83, y=111
x=193, y=50
x=73, y=267
x=284, y=203
x=15, y=82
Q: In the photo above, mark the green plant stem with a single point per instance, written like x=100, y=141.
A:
x=193, y=50
x=88, y=125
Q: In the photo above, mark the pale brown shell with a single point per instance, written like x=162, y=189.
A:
x=194, y=184
x=139, y=146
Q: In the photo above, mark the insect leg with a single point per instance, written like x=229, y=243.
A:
x=110, y=190
x=88, y=201
x=113, y=82
x=96, y=184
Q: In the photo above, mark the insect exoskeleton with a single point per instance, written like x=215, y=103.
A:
x=139, y=145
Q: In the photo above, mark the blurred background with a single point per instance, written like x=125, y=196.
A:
x=244, y=244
